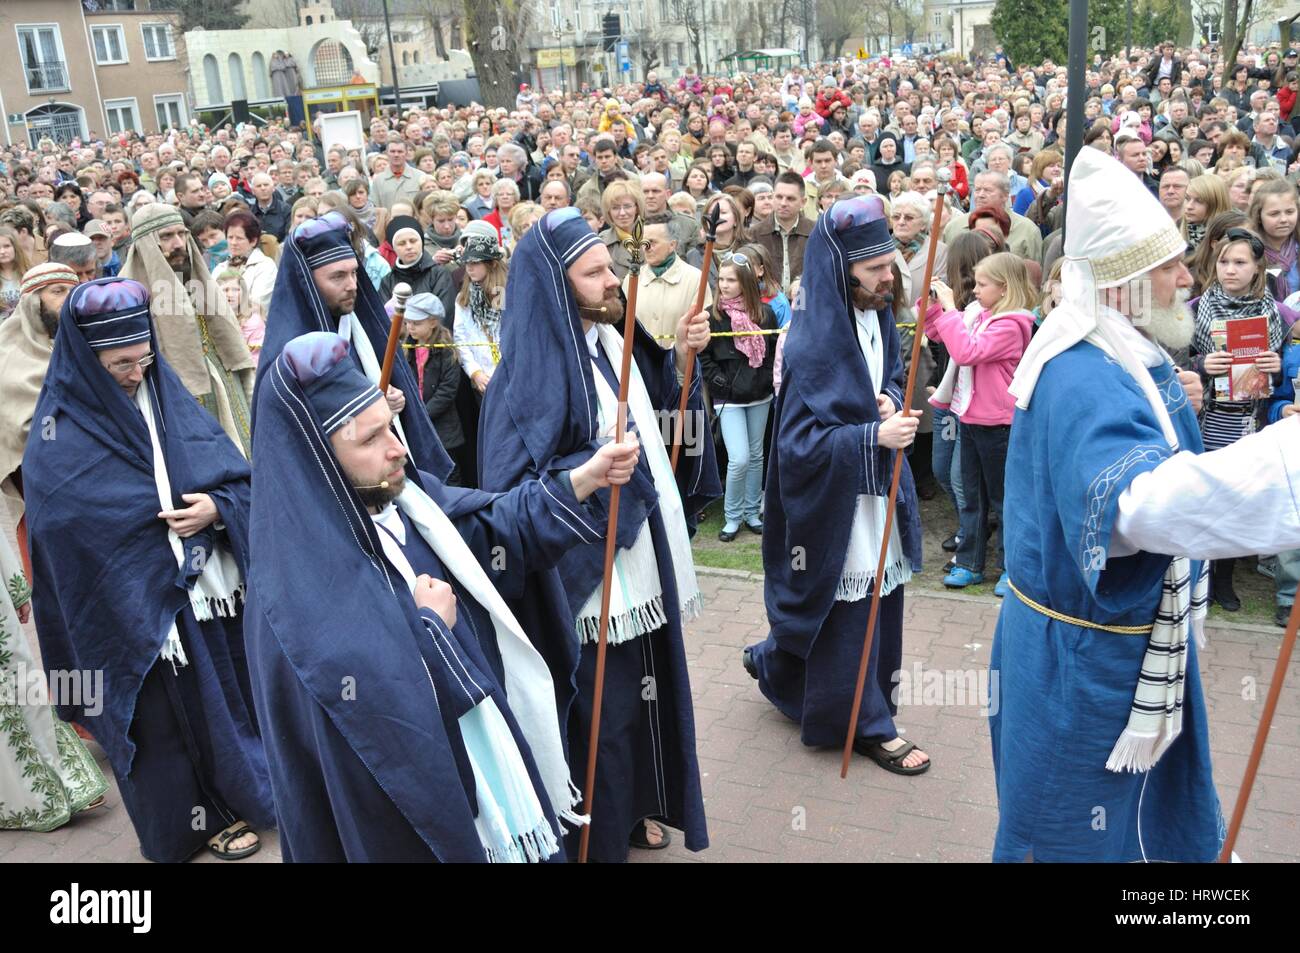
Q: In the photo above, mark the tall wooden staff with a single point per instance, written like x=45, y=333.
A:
x=1261, y=733
x=635, y=247
x=710, y=236
x=917, y=337
x=400, y=294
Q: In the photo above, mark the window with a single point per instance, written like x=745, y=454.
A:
x=157, y=41
x=681, y=54
x=938, y=19
x=127, y=6
x=121, y=115
x=171, y=111
x=110, y=45
x=43, y=63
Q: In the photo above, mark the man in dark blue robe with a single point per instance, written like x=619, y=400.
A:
x=838, y=427
x=402, y=640
x=321, y=285
x=552, y=402
x=137, y=509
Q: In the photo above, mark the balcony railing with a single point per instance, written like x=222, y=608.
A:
x=46, y=77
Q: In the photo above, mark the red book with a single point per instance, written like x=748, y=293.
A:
x=1247, y=340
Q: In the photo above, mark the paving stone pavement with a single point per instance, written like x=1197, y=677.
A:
x=769, y=799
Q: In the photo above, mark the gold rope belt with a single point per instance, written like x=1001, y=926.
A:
x=1082, y=623
x=902, y=325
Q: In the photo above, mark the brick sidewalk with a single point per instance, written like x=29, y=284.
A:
x=760, y=782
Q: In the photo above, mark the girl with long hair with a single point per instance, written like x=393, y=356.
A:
x=967, y=250
x=1275, y=217
x=1207, y=196
x=985, y=344
x=738, y=373
x=1240, y=290
x=13, y=265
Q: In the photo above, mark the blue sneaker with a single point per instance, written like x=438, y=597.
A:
x=1001, y=589
x=959, y=578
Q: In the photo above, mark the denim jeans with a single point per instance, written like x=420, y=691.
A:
x=946, y=461
x=1287, y=576
x=742, y=433
x=983, y=470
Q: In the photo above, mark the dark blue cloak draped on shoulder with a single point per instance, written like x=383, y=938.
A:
x=107, y=586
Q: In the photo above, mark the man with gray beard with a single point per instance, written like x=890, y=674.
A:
x=26, y=343
x=1171, y=327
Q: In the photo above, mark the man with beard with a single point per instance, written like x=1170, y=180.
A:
x=553, y=400
x=1111, y=510
x=410, y=713
x=137, y=505
x=840, y=412
x=317, y=289
x=198, y=333
x=26, y=343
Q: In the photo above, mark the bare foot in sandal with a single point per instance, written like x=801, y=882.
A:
x=915, y=758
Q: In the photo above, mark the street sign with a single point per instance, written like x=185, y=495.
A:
x=624, y=57
x=907, y=49
x=563, y=56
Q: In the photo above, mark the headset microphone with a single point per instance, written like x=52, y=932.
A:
x=381, y=485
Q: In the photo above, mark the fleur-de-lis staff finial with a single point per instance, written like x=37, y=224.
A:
x=636, y=245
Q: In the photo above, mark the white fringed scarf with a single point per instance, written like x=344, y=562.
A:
x=220, y=586
x=868, y=529
x=506, y=800
x=637, y=600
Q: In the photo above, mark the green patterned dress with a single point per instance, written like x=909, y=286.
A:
x=46, y=773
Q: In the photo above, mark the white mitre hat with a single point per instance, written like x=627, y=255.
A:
x=1113, y=223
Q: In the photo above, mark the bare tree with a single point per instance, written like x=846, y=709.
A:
x=494, y=32
x=1238, y=17
x=443, y=19
x=690, y=15
x=837, y=21
x=367, y=18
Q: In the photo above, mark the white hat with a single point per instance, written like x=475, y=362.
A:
x=864, y=175
x=1114, y=223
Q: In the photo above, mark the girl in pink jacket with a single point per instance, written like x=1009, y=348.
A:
x=985, y=345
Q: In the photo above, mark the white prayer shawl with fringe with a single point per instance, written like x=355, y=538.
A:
x=637, y=602
x=527, y=682
x=1156, y=716
x=863, y=556
x=220, y=586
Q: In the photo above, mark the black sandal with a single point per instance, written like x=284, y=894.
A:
x=891, y=760
x=640, y=841
x=234, y=831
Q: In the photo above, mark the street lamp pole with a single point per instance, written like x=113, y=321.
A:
x=392, y=59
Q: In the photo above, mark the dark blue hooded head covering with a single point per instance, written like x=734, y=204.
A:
x=334, y=387
x=113, y=314
x=823, y=343
x=109, y=580
x=542, y=338
x=297, y=308
x=323, y=596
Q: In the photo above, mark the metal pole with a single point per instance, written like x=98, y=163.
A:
x=1077, y=73
x=392, y=59
x=1128, y=30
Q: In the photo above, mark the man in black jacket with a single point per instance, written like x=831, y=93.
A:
x=1163, y=63
x=269, y=206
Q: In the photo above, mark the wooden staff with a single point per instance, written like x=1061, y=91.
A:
x=635, y=247
x=400, y=294
x=917, y=337
x=710, y=236
x=1261, y=733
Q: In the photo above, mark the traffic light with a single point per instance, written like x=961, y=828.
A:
x=613, y=29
